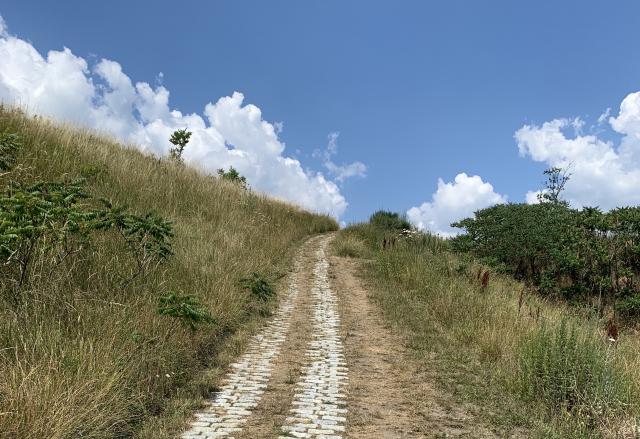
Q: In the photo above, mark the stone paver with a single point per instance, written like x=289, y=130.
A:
x=319, y=405
x=245, y=384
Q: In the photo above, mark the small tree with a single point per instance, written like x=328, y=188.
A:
x=233, y=176
x=557, y=179
x=179, y=138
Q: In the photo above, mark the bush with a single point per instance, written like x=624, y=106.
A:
x=187, y=309
x=389, y=220
x=570, y=370
x=9, y=147
x=629, y=306
x=259, y=286
x=564, y=251
x=233, y=176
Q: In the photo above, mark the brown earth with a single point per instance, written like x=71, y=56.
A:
x=274, y=406
x=388, y=395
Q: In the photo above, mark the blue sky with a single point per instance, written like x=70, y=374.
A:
x=417, y=90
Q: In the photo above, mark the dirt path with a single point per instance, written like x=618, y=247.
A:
x=388, y=396
x=325, y=366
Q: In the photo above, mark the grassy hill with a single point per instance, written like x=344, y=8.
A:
x=532, y=367
x=84, y=351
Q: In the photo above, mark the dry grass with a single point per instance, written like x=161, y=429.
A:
x=83, y=356
x=502, y=348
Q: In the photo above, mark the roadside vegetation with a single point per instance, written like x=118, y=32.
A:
x=122, y=278
x=529, y=364
x=587, y=257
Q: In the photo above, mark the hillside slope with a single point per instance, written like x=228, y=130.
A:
x=83, y=349
x=525, y=365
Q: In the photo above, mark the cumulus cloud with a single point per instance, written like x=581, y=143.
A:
x=340, y=172
x=454, y=201
x=602, y=173
x=228, y=133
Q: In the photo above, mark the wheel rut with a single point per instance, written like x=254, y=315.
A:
x=291, y=380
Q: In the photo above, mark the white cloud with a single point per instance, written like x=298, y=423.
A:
x=602, y=174
x=229, y=133
x=3, y=27
x=604, y=116
x=533, y=197
x=452, y=202
x=340, y=172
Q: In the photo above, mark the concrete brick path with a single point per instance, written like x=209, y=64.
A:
x=318, y=407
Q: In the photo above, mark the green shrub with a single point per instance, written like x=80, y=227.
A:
x=389, y=220
x=233, y=176
x=259, y=286
x=147, y=237
x=187, y=309
x=629, y=306
x=41, y=220
x=568, y=369
x=9, y=147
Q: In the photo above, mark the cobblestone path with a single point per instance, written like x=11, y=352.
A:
x=319, y=403
x=248, y=378
x=318, y=406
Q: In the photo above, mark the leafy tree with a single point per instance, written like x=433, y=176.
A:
x=557, y=179
x=179, y=138
x=233, y=176
x=186, y=309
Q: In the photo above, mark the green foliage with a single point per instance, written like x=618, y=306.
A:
x=42, y=219
x=389, y=221
x=179, y=138
x=571, y=371
x=259, y=286
x=46, y=222
x=147, y=237
x=9, y=147
x=629, y=306
x=557, y=179
x=187, y=309
x=233, y=176
x=561, y=250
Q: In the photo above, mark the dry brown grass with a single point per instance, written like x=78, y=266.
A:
x=476, y=340
x=82, y=356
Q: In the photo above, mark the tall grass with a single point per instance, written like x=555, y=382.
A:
x=83, y=355
x=523, y=362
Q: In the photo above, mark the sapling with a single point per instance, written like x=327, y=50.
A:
x=179, y=138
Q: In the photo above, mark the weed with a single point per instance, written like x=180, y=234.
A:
x=187, y=309
x=259, y=286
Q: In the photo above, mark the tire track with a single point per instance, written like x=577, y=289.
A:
x=245, y=384
x=319, y=403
